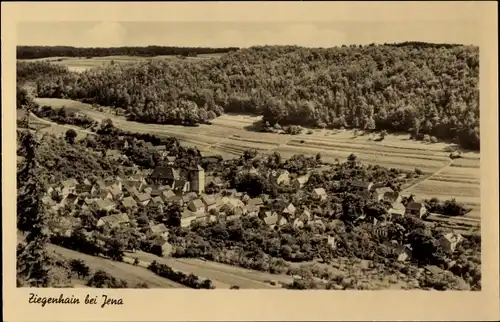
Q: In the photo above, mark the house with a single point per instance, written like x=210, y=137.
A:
x=160, y=230
x=450, y=241
x=137, y=184
x=70, y=200
x=165, y=175
x=209, y=202
x=386, y=194
x=147, y=189
x=416, y=209
x=83, y=188
x=397, y=209
x=251, y=211
x=282, y=221
x=196, y=205
x=162, y=248
x=257, y=202
x=404, y=253
x=105, y=194
x=116, y=192
x=319, y=194
x=299, y=182
x=168, y=195
x=285, y=208
x=68, y=186
x=271, y=220
x=169, y=159
x=87, y=182
x=216, y=181
x=104, y=204
x=331, y=242
x=156, y=203
x=113, y=220
x=361, y=186
x=280, y=177
x=187, y=218
x=181, y=186
x=137, y=178
x=189, y=196
x=297, y=223
x=142, y=198
x=129, y=202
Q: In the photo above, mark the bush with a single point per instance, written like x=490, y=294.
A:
x=418, y=171
x=190, y=280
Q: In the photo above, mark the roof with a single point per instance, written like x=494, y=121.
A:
x=69, y=183
x=104, y=203
x=303, y=179
x=208, y=200
x=157, y=199
x=165, y=173
x=142, y=196
x=187, y=213
x=115, y=219
x=271, y=220
x=256, y=201
x=170, y=158
x=197, y=203
x=414, y=206
x=167, y=194
x=115, y=190
x=383, y=190
x=132, y=183
x=129, y=202
x=320, y=191
x=159, y=228
x=80, y=188
x=360, y=184
x=104, y=193
x=179, y=184
x=136, y=177
x=453, y=238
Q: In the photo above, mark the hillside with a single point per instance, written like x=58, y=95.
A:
x=34, y=52
x=427, y=90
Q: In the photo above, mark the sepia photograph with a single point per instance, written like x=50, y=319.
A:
x=304, y=155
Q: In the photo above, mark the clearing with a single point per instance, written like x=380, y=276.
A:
x=81, y=64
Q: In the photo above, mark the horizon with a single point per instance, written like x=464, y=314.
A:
x=106, y=34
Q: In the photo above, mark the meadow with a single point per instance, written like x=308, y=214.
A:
x=229, y=135
x=80, y=64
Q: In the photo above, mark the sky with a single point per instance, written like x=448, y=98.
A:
x=242, y=34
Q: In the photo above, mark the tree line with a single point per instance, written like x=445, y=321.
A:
x=417, y=88
x=32, y=52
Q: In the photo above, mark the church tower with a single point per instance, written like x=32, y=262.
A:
x=198, y=180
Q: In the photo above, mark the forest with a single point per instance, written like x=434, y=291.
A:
x=424, y=90
x=32, y=52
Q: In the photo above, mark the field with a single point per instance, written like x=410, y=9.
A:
x=223, y=276
x=229, y=135
x=78, y=64
x=132, y=274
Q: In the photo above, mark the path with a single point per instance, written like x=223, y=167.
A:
x=428, y=177
x=50, y=123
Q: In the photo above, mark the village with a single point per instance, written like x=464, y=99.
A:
x=114, y=201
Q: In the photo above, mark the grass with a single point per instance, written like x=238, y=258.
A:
x=228, y=136
x=77, y=64
x=223, y=276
